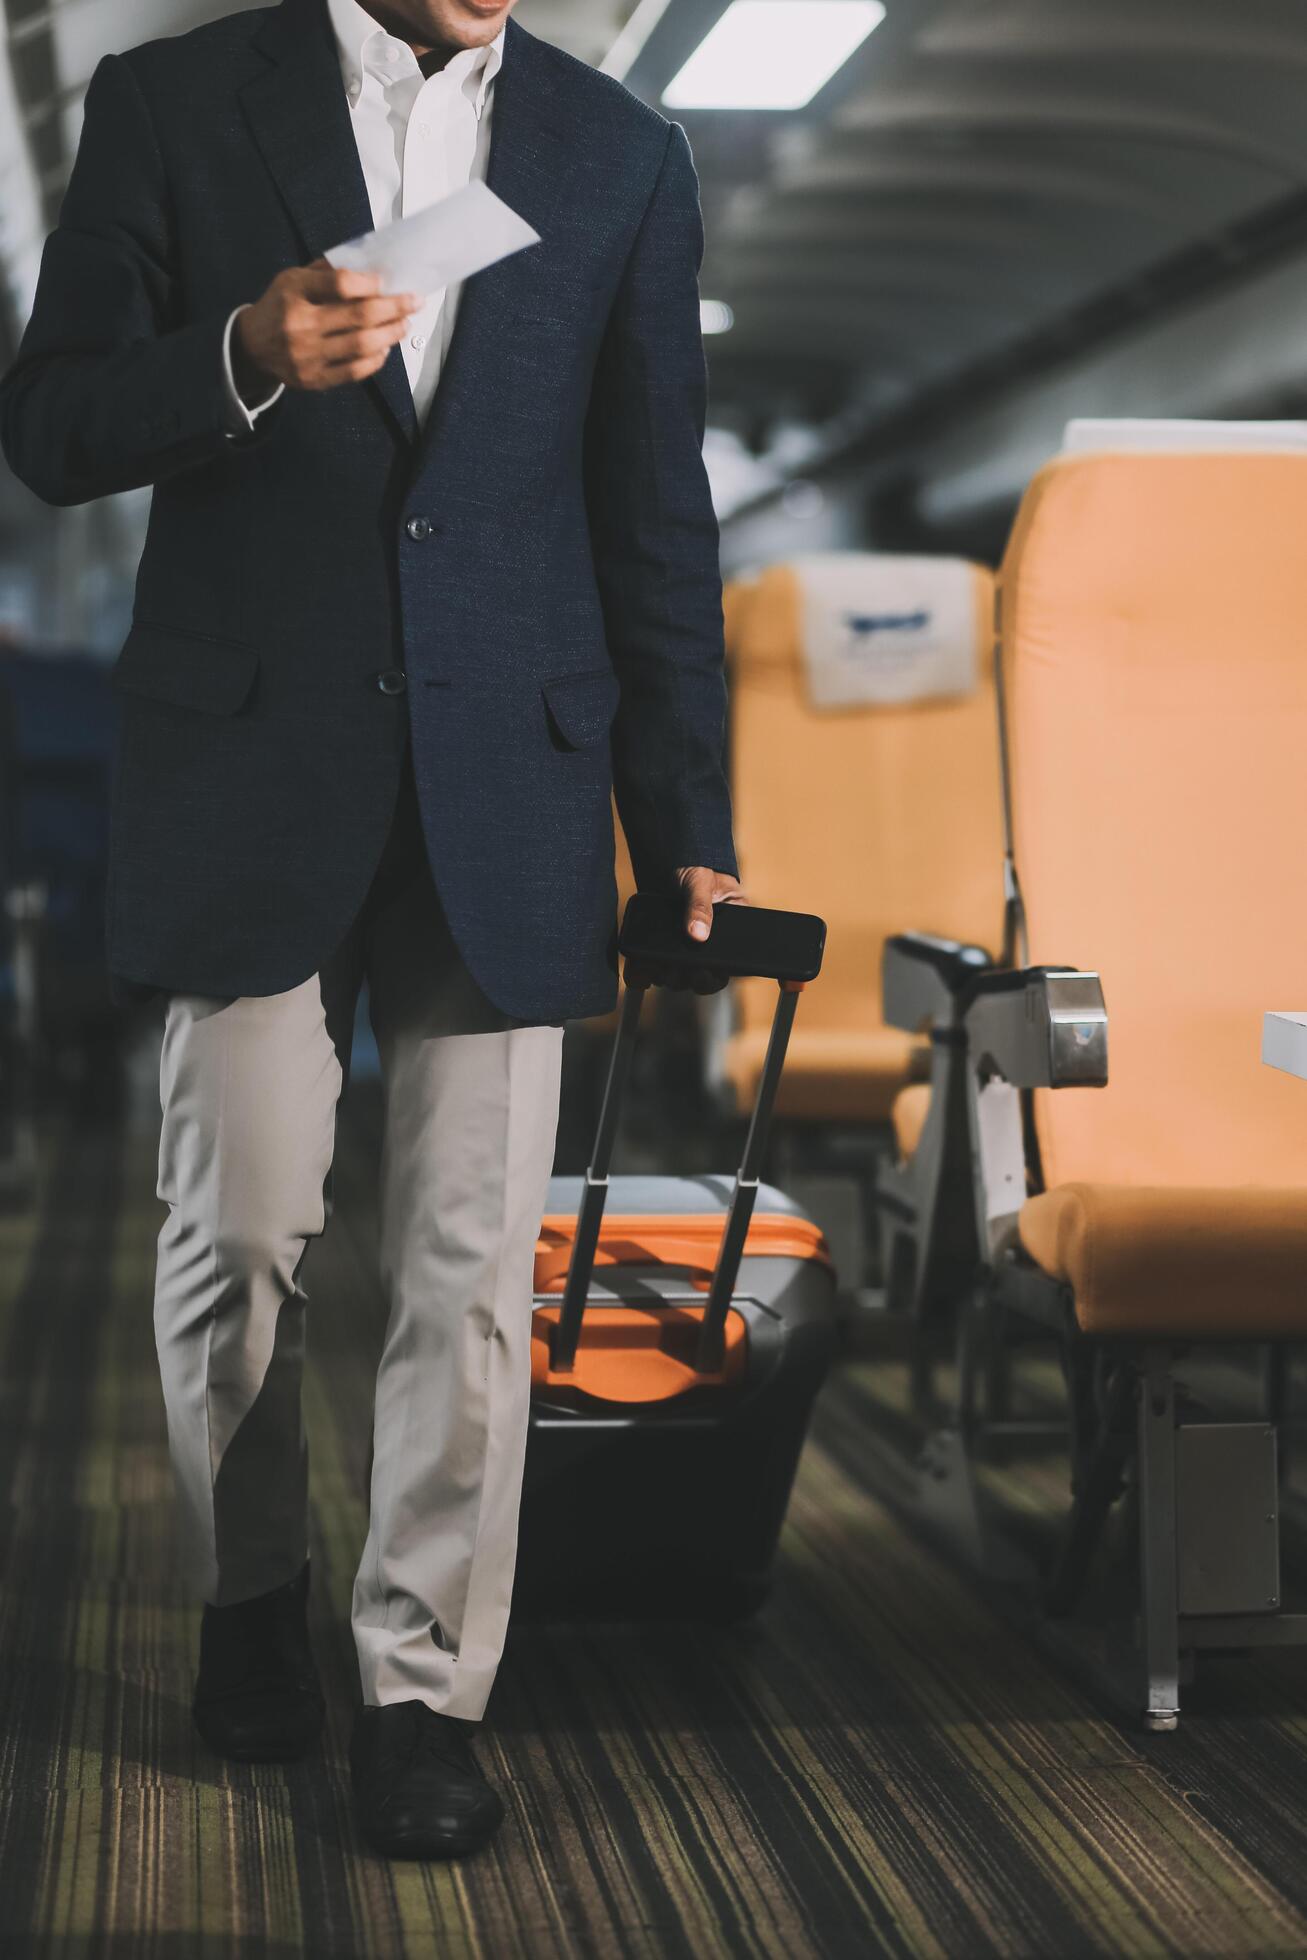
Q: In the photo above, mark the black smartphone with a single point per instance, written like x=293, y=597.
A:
x=745, y=940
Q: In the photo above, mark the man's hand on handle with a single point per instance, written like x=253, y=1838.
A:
x=316, y=327
x=703, y=889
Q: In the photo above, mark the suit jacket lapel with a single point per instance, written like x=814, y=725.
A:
x=300, y=119
x=529, y=152
x=529, y=136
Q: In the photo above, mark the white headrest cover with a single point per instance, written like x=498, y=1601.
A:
x=883, y=631
x=1086, y=434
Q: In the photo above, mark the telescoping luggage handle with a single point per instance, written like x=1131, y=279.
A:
x=745, y=941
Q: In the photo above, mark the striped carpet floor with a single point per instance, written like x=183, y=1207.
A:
x=877, y=1766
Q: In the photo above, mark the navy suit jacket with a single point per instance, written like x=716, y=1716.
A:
x=540, y=560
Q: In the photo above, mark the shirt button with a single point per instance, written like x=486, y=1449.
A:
x=392, y=680
x=419, y=340
x=418, y=528
x=423, y=128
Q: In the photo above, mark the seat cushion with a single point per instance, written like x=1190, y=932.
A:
x=831, y=1074
x=1179, y=1263
x=911, y=1107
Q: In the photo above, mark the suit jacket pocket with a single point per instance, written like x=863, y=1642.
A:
x=186, y=669
x=581, y=706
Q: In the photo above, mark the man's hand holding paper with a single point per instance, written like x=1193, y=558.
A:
x=315, y=327
x=337, y=319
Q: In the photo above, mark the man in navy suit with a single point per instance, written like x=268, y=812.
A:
x=427, y=575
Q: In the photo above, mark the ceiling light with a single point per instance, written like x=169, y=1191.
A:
x=715, y=316
x=772, y=54
x=621, y=57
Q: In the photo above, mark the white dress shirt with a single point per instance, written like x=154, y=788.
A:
x=419, y=138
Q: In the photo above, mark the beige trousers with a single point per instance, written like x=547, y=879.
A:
x=249, y=1089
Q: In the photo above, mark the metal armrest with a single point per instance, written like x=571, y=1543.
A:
x=1038, y=1028
x=925, y=980
x=1284, y=1042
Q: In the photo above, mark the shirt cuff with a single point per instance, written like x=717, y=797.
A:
x=241, y=416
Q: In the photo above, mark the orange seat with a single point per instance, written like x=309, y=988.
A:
x=622, y=868
x=911, y=1107
x=735, y=596
x=1154, y=640
x=831, y=1075
x=879, y=817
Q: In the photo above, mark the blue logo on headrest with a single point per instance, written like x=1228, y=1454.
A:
x=865, y=624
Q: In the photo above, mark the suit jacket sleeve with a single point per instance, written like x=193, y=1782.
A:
x=655, y=542
x=112, y=386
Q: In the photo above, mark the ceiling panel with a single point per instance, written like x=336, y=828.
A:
x=982, y=168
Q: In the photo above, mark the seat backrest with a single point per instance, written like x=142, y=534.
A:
x=735, y=594
x=1153, y=625
x=880, y=818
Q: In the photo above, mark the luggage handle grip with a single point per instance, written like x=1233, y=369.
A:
x=746, y=942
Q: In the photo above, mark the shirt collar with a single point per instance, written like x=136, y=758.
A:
x=483, y=63
x=353, y=27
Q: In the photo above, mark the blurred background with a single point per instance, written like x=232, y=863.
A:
x=935, y=229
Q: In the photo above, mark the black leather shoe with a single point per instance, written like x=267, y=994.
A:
x=420, y=1793
x=257, y=1698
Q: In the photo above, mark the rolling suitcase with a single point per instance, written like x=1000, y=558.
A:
x=682, y=1328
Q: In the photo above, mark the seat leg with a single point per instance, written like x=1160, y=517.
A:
x=1097, y=1483
x=996, y=1369
x=878, y=1235
x=1279, y=1401
x=974, y=1318
x=902, y=1274
x=1159, y=1590
x=900, y=1268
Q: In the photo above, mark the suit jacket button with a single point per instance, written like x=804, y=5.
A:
x=392, y=681
x=418, y=528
